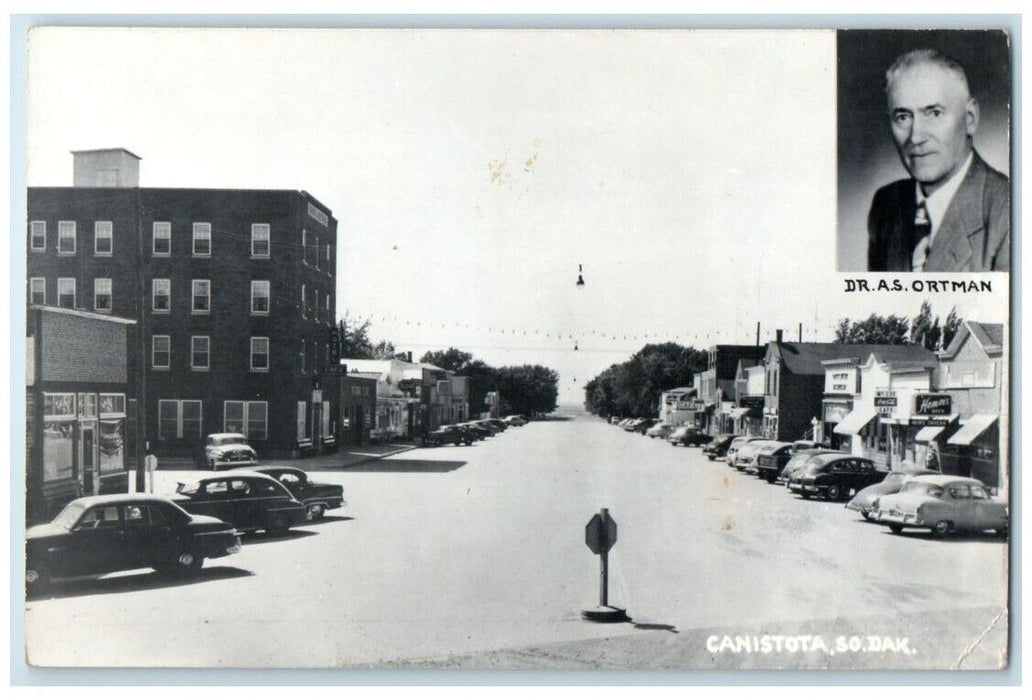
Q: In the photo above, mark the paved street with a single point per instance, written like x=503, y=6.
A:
x=475, y=557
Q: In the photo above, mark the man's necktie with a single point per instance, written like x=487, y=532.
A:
x=922, y=232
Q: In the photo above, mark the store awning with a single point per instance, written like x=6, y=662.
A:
x=928, y=433
x=972, y=428
x=855, y=420
x=738, y=412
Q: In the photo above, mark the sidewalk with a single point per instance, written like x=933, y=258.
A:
x=346, y=457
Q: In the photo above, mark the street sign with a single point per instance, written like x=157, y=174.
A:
x=600, y=534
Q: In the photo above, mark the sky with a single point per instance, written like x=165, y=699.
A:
x=690, y=175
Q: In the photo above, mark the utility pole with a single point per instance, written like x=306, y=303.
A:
x=141, y=379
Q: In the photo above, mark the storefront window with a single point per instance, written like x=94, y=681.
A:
x=58, y=449
x=112, y=446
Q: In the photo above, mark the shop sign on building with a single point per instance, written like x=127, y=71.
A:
x=834, y=412
x=933, y=404
x=885, y=402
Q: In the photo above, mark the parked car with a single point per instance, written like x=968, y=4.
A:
x=745, y=457
x=863, y=501
x=247, y=499
x=942, y=504
x=772, y=458
x=660, y=430
x=316, y=497
x=717, y=448
x=102, y=534
x=226, y=450
x=498, y=423
x=644, y=424
x=516, y=420
x=800, y=445
x=447, y=434
x=736, y=444
x=688, y=435
x=488, y=426
x=835, y=476
x=477, y=431
x=800, y=459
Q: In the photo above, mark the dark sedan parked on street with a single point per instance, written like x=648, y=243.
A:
x=102, y=534
x=835, y=476
x=717, y=449
x=772, y=458
x=447, y=434
x=689, y=436
x=247, y=499
x=316, y=497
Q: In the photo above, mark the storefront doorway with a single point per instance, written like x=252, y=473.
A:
x=88, y=457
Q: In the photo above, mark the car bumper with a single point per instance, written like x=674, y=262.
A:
x=911, y=519
x=804, y=488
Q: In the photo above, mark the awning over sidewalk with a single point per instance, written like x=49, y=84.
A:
x=855, y=420
x=972, y=428
x=928, y=433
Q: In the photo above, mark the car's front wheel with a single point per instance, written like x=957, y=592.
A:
x=834, y=492
x=896, y=529
x=279, y=525
x=316, y=511
x=183, y=565
x=943, y=527
x=37, y=579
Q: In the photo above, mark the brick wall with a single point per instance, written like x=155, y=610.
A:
x=70, y=349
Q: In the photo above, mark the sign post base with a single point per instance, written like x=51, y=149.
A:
x=605, y=613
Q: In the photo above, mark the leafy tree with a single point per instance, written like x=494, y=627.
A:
x=633, y=388
x=950, y=327
x=350, y=339
x=887, y=330
x=528, y=389
x=452, y=359
x=924, y=330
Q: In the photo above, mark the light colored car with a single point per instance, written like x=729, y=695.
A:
x=515, y=420
x=863, y=501
x=226, y=450
x=745, y=457
x=942, y=504
x=736, y=445
x=660, y=430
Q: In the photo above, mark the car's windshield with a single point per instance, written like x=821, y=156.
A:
x=69, y=515
x=895, y=478
x=229, y=440
x=188, y=489
x=922, y=487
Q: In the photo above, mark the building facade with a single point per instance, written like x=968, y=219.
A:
x=80, y=436
x=233, y=292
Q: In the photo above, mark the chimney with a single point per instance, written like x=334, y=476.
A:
x=800, y=332
x=780, y=333
x=105, y=167
x=408, y=356
x=757, y=333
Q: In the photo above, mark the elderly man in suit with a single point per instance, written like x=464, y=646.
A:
x=953, y=215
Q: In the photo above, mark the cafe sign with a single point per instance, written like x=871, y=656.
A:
x=885, y=402
x=933, y=404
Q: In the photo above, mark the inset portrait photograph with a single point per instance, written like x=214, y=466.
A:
x=924, y=151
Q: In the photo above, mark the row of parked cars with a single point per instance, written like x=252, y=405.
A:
x=469, y=432
x=902, y=498
x=653, y=428
x=173, y=534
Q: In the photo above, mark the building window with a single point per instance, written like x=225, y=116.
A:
x=329, y=259
x=304, y=355
x=66, y=292
x=201, y=297
x=202, y=240
x=37, y=235
x=304, y=306
x=259, y=354
x=200, y=352
x=325, y=418
x=259, y=296
x=38, y=290
x=302, y=421
x=102, y=294
x=103, y=239
x=66, y=238
x=329, y=317
x=59, y=428
x=304, y=246
x=161, y=295
x=178, y=420
x=260, y=244
x=161, y=351
x=249, y=418
x=162, y=239
x=315, y=251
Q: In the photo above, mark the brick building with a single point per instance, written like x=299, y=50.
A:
x=233, y=291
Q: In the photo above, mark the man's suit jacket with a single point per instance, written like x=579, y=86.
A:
x=974, y=235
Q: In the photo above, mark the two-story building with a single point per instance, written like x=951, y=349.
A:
x=233, y=292
x=676, y=406
x=80, y=408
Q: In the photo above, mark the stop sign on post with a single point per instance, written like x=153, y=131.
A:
x=600, y=532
